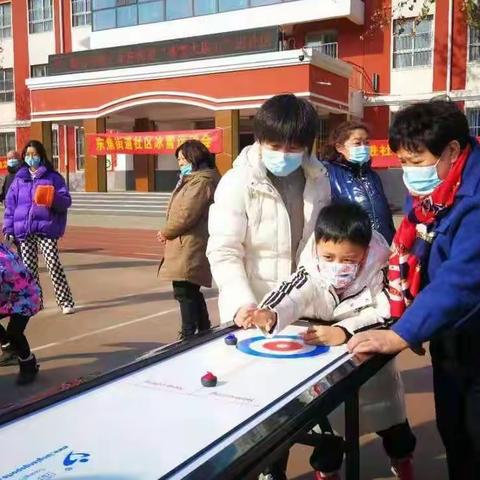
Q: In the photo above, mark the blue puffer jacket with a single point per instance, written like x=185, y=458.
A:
x=359, y=183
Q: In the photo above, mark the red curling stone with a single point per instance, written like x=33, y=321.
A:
x=209, y=380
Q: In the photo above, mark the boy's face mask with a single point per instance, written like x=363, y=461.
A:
x=338, y=275
x=338, y=263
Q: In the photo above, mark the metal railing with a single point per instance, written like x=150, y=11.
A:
x=330, y=49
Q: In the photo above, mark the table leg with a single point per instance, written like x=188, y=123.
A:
x=352, y=446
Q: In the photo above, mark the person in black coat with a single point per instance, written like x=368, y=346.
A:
x=13, y=164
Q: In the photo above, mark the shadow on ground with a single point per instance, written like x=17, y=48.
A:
x=49, y=380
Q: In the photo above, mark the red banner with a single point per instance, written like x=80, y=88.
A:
x=382, y=156
x=147, y=143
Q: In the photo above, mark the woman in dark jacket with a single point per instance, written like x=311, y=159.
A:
x=347, y=159
x=185, y=235
x=36, y=216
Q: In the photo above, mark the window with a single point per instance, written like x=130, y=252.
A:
x=109, y=14
x=81, y=12
x=39, y=70
x=412, y=43
x=55, y=155
x=6, y=85
x=5, y=20
x=473, y=116
x=204, y=7
x=80, y=147
x=325, y=42
x=7, y=143
x=40, y=16
x=179, y=9
x=473, y=44
x=226, y=5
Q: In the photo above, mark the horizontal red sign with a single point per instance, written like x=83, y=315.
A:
x=382, y=156
x=151, y=143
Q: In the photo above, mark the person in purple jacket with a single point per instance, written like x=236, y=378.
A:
x=36, y=216
x=434, y=271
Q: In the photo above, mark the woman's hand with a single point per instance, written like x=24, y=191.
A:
x=377, y=341
x=324, y=335
x=244, y=316
x=161, y=238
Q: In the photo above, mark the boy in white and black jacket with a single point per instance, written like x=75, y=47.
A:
x=340, y=283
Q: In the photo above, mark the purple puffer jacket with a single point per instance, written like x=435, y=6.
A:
x=23, y=217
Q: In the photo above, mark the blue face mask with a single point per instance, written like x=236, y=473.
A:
x=280, y=163
x=421, y=180
x=186, y=169
x=12, y=162
x=359, y=154
x=33, y=161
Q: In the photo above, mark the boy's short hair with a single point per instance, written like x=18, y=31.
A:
x=431, y=126
x=341, y=221
x=287, y=120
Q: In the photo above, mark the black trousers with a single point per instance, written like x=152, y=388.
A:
x=14, y=334
x=398, y=442
x=456, y=380
x=193, y=308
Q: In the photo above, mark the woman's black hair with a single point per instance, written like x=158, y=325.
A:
x=197, y=154
x=340, y=135
x=287, y=120
x=429, y=126
x=341, y=221
x=42, y=153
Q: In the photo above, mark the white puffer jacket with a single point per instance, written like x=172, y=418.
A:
x=362, y=306
x=249, y=246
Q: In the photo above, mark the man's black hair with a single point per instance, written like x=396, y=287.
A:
x=287, y=120
x=341, y=221
x=429, y=126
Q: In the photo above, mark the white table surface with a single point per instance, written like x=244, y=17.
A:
x=143, y=425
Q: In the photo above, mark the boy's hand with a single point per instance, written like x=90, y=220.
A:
x=243, y=318
x=324, y=335
x=264, y=319
x=161, y=238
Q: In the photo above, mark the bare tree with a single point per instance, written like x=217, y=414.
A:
x=382, y=16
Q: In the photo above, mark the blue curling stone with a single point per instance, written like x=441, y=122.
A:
x=231, y=339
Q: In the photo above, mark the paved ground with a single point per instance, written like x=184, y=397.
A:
x=125, y=311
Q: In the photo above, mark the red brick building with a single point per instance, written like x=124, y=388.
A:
x=75, y=67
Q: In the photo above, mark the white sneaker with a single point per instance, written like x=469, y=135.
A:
x=68, y=310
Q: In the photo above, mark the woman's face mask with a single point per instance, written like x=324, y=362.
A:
x=186, y=169
x=279, y=162
x=359, y=154
x=421, y=180
x=13, y=163
x=423, y=172
x=33, y=161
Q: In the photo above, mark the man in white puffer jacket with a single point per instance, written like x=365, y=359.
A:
x=266, y=207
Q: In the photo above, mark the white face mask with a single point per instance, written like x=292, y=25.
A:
x=338, y=275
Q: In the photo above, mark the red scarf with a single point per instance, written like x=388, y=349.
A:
x=412, y=242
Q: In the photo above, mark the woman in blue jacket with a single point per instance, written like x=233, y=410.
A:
x=347, y=159
x=434, y=275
